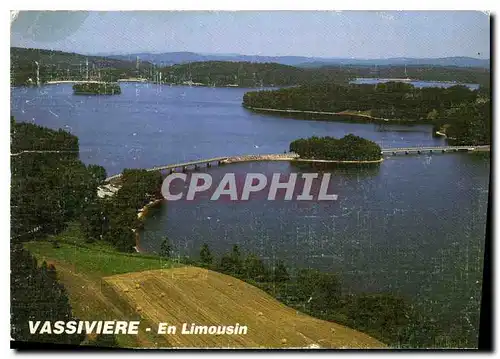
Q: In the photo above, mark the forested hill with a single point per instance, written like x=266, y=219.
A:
x=248, y=74
x=391, y=100
x=59, y=65
x=244, y=74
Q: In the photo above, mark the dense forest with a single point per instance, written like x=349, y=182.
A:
x=466, y=124
x=465, y=112
x=58, y=65
x=247, y=74
x=47, y=190
x=114, y=219
x=347, y=148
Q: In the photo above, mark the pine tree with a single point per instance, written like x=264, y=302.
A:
x=165, y=248
x=280, y=274
x=236, y=261
x=254, y=269
x=205, y=255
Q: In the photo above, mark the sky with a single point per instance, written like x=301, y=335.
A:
x=344, y=34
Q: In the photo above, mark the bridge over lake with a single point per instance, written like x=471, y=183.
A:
x=443, y=149
x=195, y=164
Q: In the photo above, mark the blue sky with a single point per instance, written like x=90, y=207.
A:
x=357, y=34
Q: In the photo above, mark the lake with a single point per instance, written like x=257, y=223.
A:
x=414, y=225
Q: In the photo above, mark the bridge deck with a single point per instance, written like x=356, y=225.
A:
x=433, y=148
x=190, y=163
x=292, y=156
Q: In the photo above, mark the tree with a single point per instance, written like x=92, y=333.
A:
x=236, y=260
x=165, y=248
x=92, y=221
x=254, y=269
x=36, y=295
x=205, y=256
x=280, y=273
x=98, y=173
x=321, y=290
x=231, y=263
x=386, y=315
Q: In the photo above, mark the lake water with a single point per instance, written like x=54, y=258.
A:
x=414, y=225
x=416, y=83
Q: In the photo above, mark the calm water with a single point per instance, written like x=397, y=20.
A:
x=415, y=225
x=416, y=83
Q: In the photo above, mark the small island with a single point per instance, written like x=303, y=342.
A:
x=348, y=149
x=97, y=88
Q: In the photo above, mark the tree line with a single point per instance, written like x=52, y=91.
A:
x=390, y=318
x=347, y=148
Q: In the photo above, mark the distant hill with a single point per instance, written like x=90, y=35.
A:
x=399, y=61
x=176, y=58
x=64, y=65
x=20, y=55
x=171, y=58
x=251, y=74
x=234, y=70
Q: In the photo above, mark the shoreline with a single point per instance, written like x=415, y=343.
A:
x=343, y=113
x=328, y=116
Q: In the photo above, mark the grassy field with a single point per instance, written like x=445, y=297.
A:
x=104, y=284
x=200, y=296
x=81, y=267
x=97, y=258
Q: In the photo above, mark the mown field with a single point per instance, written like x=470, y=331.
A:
x=200, y=296
x=104, y=284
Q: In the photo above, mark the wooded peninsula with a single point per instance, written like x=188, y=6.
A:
x=463, y=115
